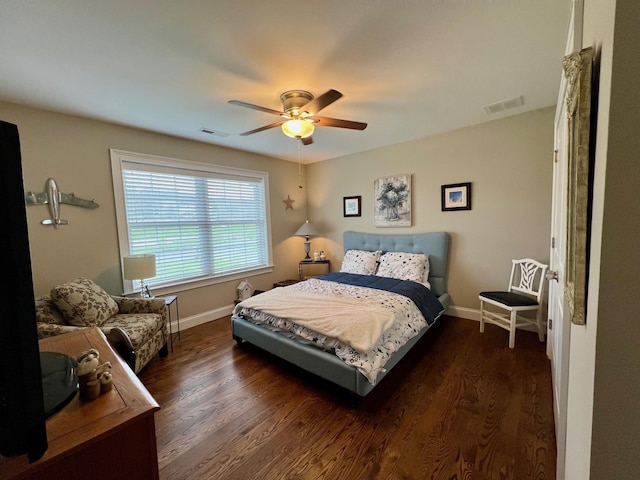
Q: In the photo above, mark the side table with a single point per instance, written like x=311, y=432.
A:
x=285, y=283
x=172, y=300
x=304, y=263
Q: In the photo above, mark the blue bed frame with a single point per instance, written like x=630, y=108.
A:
x=328, y=365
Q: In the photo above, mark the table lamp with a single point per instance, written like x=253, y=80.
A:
x=139, y=267
x=305, y=231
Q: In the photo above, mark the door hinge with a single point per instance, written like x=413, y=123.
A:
x=555, y=156
x=553, y=242
x=550, y=324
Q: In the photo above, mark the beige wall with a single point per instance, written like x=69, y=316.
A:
x=75, y=151
x=508, y=162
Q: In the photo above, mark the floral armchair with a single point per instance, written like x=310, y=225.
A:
x=135, y=327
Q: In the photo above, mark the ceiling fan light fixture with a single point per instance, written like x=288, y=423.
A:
x=297, y=128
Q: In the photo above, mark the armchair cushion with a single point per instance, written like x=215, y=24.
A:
x=140, y=328
x=84, y=303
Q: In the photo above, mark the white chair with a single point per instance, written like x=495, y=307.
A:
x=524, y=293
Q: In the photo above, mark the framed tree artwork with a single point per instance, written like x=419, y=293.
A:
x=392, y=201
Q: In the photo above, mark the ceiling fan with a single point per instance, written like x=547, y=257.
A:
x=299, y=115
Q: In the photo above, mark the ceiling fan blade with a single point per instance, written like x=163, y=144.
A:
x=256, y=107
x=307, y=140
x=261, y=129
x=336, y=122
x=318, y=103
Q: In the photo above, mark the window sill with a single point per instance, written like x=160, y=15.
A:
x=204, y=282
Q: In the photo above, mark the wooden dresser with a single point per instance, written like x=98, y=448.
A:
x=111, y=437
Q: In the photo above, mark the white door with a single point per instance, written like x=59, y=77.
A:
x=559, y=327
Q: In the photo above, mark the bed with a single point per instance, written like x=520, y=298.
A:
x=288, y=335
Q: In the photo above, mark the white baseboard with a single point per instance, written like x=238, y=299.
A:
x=462, y=312
x=473, y=314
x=200, y=318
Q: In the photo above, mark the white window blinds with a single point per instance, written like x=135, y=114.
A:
x=199, y=220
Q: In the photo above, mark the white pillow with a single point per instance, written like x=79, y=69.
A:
x=362, y=262
x=405, y=266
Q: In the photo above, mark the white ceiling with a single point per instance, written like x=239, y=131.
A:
x=409, y=68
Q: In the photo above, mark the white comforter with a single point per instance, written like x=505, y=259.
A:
x=407, y=320
x=353, y=321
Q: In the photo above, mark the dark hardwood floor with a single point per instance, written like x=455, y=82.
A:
x=461, y=405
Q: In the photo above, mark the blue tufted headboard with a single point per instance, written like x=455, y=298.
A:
x=434, y=244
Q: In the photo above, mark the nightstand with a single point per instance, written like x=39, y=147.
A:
x=313, y=264
x=285, y=283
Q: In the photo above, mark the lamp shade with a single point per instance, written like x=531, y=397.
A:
x=139, y=267
x=297, y=128
x=306, y=230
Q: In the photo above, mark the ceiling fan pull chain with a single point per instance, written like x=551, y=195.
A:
x=299, y=167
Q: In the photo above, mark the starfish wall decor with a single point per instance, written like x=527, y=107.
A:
x=288, y=203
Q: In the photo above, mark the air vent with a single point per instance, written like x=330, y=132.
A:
x=217, y=133
x=504, y=105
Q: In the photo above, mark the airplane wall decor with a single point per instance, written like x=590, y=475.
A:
x=53, y=198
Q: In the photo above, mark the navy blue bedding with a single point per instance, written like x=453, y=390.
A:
x=425, y=300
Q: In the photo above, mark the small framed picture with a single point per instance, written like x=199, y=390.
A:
x=456, y=196
x=351, y=206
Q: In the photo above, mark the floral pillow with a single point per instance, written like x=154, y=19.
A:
x=362, y=262
x=84, y=303
x=405, y=266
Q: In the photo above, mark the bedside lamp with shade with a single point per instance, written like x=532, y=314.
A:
x=306, y=230
x=139, y=267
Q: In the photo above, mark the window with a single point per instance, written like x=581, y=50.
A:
x=203, y=222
